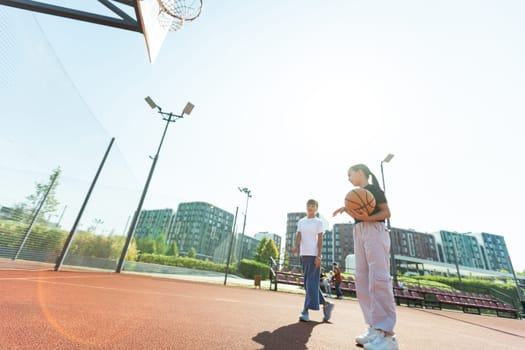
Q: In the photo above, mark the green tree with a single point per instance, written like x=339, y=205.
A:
x=286, y=260
x=133, y=252
x=51, y=203
x=99, y=246
x=259, y=248
x=102, y=247
x=160, y=244
x=147, y=244
x=192, y=253
x=20, y=213
x=271, y=250
x=45, y=238
x=80, y=244
x=88, y=244
x=266, y=249
x=173, y=250
x=94, y=225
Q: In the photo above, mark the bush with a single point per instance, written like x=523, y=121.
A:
x=424, y=282
x=250, y=268
x=180, y=261
x=504, y=291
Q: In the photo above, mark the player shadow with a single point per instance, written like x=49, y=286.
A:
x=290, y=337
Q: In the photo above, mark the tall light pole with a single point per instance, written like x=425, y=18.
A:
x=455, y=246
x=248, y=196
x=234, y=228
x=518, y=287
x=393, y=269
x=168, y=117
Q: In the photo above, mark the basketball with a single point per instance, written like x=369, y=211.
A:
x=360, y=199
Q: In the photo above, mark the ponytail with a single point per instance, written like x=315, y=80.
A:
x=367, y=173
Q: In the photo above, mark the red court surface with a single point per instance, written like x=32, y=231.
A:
x=91, y=310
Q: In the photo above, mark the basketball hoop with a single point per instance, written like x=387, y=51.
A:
x=174, y=13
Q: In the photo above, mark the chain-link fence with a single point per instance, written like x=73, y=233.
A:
x=48, y=132
x=53, y=145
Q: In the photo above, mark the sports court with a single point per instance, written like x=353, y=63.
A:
x=95, y=309
x=43, y=309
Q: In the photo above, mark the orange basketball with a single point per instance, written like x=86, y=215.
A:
x=360, y=199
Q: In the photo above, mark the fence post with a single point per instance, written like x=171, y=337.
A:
x=37, y=212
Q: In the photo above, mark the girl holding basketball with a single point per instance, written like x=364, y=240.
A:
x=372, y=280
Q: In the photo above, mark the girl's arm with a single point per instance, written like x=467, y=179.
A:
x=382, y=214
x=339, y=211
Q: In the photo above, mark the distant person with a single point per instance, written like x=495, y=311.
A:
x=400, y=285
x=325, y=282
x=372, y=265
x=337, y=281
x=309, y=244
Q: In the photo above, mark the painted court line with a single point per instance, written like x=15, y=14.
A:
x=134, y=291
x=472, y=323
x=38, y=278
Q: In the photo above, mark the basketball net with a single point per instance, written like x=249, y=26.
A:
x=174, y=13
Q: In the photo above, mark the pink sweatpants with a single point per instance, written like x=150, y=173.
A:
x=373, y=284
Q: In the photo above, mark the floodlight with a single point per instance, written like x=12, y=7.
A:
x=388, y=158
x=188, y=108
x=151, y=103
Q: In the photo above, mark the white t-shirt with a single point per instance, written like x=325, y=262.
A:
x=309, y=229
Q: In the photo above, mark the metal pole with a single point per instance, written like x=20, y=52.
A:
x=230, y=247
x=518, y=288
x=141, y=201
x=67, y=243
x=35, y=216
x=333, y=246
x=61, y=216
x=393, y=269
x=457, y=264
x=244, y=226
x=127, y=223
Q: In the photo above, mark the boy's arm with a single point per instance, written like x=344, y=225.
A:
x=297, y=243
x=319, y=249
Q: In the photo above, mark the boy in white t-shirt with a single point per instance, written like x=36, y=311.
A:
x=309, y=244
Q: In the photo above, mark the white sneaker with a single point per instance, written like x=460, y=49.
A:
x=369, y=335
x=382, y=342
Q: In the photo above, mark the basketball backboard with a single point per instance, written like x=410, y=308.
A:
x=153, y=18
x=154, y=33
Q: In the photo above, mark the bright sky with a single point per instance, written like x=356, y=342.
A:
x=287, y=96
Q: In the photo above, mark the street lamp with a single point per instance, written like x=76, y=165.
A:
x=393, y=270
x=248, y=196
x=168, y=117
